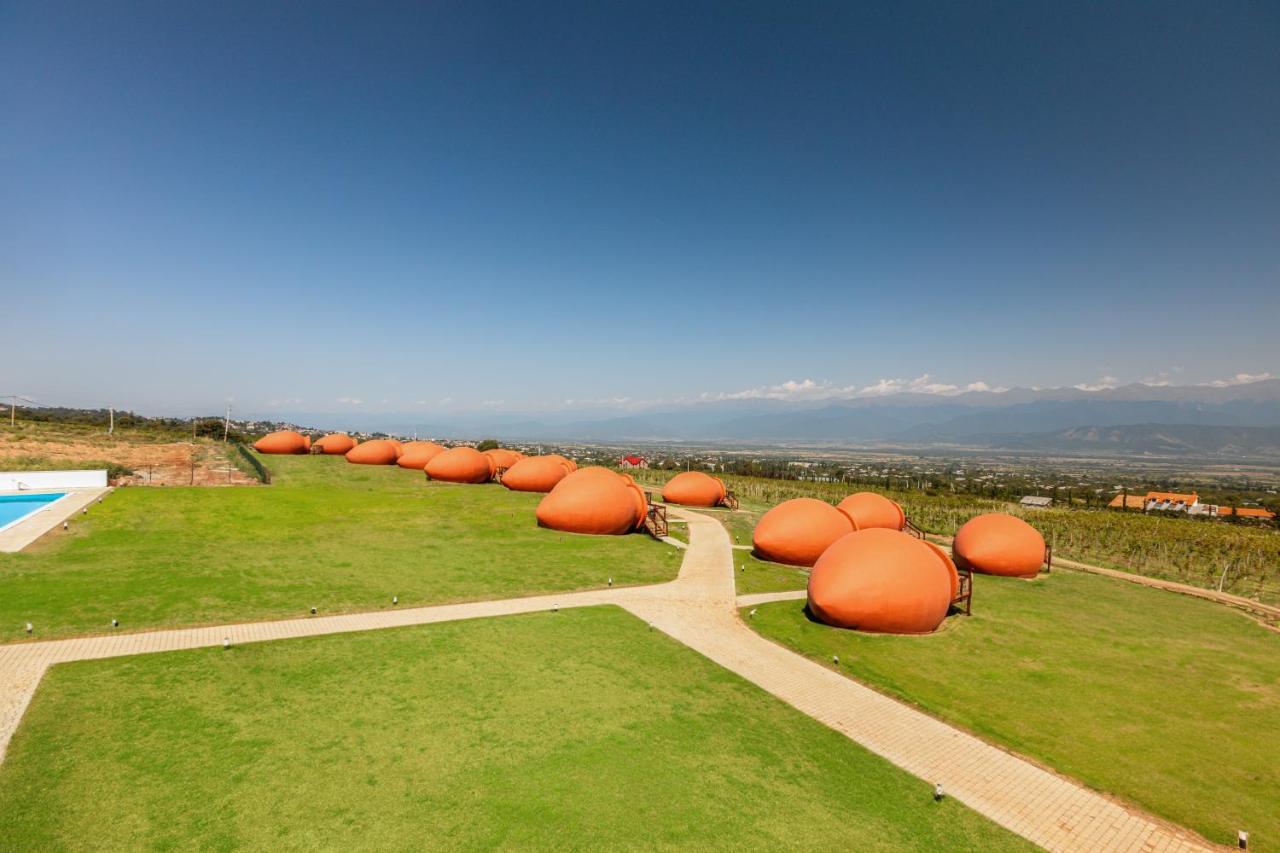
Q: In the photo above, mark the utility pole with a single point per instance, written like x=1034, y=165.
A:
x=111, y=424
x=13, y=406
x=226, y=424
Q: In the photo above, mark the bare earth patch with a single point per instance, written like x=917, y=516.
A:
x=173, y=463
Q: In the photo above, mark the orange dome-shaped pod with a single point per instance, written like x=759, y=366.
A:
x=880, y=580
x=418, y=453
x=284, y=441
x=503, y=458
x=797, y=531
x=592, y=500
x=335, y=444
x=573, y=466
x=694, y=488
x=867, y=510
x=461, y=465
x=999, y=544
x=951, y=567
x=642, y=503
x=595, y=471
x=379, y=451
x=535, y=474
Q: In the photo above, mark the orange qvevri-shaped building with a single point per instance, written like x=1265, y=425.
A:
x=694, y=488
x=796, y=532
x=999, y=544
x=335, y=444
x=460, y=465
x=417, y=454
x=883, y=581
x=596, y=501
x=283, y=441
x=379, y=451
x=951, y=566
x=867, y=510
x=535, y=474
x=503, y=458
x=573, y=466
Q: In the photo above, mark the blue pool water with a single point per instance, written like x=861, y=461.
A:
x=16, y=507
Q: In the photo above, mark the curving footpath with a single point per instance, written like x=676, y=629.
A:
x=699, y=609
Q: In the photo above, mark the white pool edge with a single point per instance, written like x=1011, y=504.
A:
x=42, y=508
x=17, y=535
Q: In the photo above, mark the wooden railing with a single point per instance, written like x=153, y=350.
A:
x=911, y=529
x=963, y=601
x=730, y=500
x=655, y=520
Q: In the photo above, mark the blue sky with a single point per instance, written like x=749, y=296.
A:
x=509, y=206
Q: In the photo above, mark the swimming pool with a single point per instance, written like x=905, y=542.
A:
x=14, y=508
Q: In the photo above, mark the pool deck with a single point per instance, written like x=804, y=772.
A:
x=31, y=528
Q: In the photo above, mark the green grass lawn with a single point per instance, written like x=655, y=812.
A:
x=740, y=524
x=582, y=729
x=753, y=575
x=1166, y=701
x=328, y=534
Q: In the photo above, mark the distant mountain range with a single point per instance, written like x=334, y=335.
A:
x=1156, y=439
x=1229, y=420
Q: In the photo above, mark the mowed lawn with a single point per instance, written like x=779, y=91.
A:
x=1166, y=701
x=327, y=534
x=582, y=729
x=754, y=575
x=751, y=574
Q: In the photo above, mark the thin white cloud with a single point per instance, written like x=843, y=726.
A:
x=792, y=389
x=350, y=401
x=808, y=389
x=924, y=384
x=1241, y=379
x=1104, y=383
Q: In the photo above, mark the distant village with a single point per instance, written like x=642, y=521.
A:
x=1189, y=504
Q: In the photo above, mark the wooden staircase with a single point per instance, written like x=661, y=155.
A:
x=655, y=520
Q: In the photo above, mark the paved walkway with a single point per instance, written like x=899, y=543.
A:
x=767, y=597
x=699, y=609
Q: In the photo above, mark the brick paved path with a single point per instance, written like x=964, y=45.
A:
x=699, y=610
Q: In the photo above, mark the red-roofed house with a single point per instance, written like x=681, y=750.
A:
x=1188, y=503
x=1247, y=512
x=633, y=462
